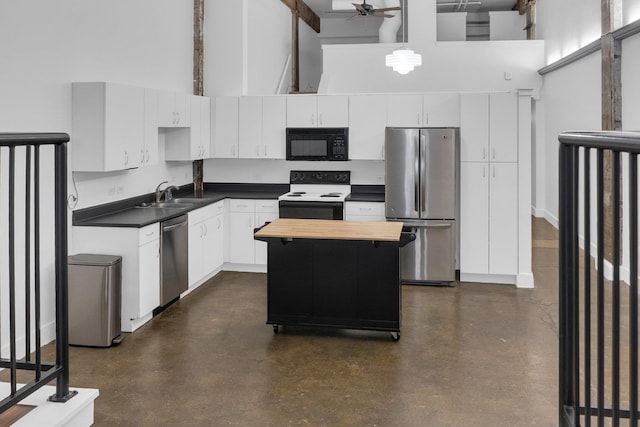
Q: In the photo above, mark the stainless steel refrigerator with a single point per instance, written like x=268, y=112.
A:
x=421, y=190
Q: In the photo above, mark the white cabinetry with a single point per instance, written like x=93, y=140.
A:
x=367, y=120
x=245, y=215
x=149, y=151
x=426, y=110
x=206, y=227
x=404, y=110
x=225, y=127
x=489, y=186
x=441, y=110
x=140, y=250
x=174, y=109
x=262, y=123
x=193, y=143
x=317, y=111
x=489, y=127
x=365, y=211
x=108, y=126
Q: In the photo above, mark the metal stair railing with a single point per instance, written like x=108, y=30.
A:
x=30, y=146
x=598, y=319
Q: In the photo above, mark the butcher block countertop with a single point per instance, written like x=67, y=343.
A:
x=289, y=228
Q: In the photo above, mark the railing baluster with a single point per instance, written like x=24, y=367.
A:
x=615, y=321
x=600, y=288
x=587, y=284
x=27, y=252
x=36, y=231
x=12, y=270
x=633, y=289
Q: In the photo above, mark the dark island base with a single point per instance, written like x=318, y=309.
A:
x=334, y=283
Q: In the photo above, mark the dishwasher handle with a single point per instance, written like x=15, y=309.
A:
x=172, y=224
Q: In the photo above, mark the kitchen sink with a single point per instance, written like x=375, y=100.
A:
x=166, y=205
x=190, y=200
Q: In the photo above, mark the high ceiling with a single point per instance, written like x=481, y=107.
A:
x=320, y=7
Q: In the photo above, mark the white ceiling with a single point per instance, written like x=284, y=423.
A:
x=320, y=7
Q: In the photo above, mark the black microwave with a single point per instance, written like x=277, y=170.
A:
x=318, y=144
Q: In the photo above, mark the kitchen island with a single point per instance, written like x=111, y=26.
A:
x=340, y=274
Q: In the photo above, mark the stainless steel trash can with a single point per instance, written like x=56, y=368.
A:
x=95, y=289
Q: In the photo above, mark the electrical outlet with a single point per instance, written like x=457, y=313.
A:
x=111, y=191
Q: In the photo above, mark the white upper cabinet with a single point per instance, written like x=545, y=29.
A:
x=441, y=110
x=250, y=126
x=225, y=127
x=149, y=151
x=503, y=127
x=367, y=120
x=174, y=109
x=262, y=127
x=108, y=126
x=474, y=127
x=317, y=111
x=193, y=143
x=274, y=124
x=404, y=110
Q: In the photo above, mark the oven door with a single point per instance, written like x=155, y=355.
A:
x=311, y=210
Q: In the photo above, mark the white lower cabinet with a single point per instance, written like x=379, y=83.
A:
x=365, y=211
x=488, y=218
x=140, y=252
x=244, y=216
x=206, y=235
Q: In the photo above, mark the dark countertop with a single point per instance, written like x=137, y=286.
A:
x=366, y=193
x=128, y=213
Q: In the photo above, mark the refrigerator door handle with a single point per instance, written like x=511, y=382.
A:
x=423, y=161
x=416, y=183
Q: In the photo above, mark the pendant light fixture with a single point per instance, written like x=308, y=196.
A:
x=403, y=60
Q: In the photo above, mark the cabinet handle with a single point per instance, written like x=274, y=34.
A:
x=151, y=233
x=173, y=114
x=233, y=150
x=141, y=157
x=265, y=151
x=219, y=223
x=493, y=153
x=126, y=158
x=258, y=150
x=484, y=172
x=484, y=153
x=177, y=117
x=201, y=230
x=147, y=158
x=418, y=119
x=206, y=229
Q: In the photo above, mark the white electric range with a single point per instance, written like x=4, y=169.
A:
x=316, y=195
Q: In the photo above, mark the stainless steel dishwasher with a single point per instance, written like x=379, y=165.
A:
x=174, y=258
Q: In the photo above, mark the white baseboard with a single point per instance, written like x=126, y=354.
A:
x=503, y=279
x=48, y=334
x=525, y=281
x=247, y=268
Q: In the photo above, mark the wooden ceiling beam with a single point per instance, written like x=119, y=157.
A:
x=308, y=16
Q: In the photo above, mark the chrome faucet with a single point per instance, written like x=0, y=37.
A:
x=166, y=192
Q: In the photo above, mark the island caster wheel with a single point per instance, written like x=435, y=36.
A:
x=395, y=336
x=276, y=328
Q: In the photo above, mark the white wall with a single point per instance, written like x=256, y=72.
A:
x=571, y=100
x=507, y=25
x=567, y=26
x=446, y=66
x=277, y=171
x=246, y=46
x=45, y=46
x=452, y=26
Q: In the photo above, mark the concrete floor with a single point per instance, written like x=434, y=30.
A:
x=469, y=355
